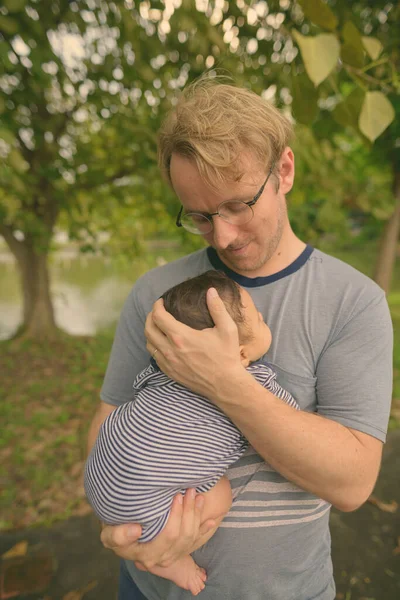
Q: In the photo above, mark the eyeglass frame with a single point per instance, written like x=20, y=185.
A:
x=209, y=216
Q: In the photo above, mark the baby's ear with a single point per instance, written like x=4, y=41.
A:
x=243, y=356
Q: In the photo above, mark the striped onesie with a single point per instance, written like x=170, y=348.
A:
x=166, y=440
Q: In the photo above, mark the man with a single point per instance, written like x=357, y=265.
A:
x=226, y=154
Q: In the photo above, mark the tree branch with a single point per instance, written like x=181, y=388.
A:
x=15, y=246
x=359, y=73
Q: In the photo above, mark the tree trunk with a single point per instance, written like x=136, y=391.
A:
x=38, y=308
x=388, y=243
x=38, y=314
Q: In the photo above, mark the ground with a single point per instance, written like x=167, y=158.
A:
x=366, y=552
x=49, y=393
x=74, y=565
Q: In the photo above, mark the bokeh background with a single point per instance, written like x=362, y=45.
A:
x=84, y=86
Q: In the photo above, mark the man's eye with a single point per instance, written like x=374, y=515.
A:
x=235, y=207
x=198, y=218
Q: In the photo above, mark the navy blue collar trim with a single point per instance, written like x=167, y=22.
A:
x=258, y=281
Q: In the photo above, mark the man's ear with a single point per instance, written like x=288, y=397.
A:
x=286, y=170
x=243, y=356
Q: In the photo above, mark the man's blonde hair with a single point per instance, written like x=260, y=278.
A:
x=213, y=123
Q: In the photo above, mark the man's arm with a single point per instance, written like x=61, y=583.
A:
x=333, y=461
x=319, y=455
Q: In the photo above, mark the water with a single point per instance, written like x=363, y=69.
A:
x=88, y=292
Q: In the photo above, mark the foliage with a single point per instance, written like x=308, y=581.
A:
x=340, y=195
x=86, y=84
x=78, y=131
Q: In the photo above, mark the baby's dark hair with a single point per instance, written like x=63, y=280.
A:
x=187, y=302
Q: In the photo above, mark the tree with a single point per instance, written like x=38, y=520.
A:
x=86, y=84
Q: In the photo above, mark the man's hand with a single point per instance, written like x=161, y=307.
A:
x=177, y=538
x=196, y=359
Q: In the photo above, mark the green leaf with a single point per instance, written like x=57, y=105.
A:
x=8, y=25
x=352, y=56
x=319, y=13
x=352, y=51
x=319, y=53
x=373, y=46
x=2, y=105
x=351, y=35
x=14, y=5
x=376, y=115
x=305, y=97
x=347, y=112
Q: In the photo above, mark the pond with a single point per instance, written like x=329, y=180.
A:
x=88, y=291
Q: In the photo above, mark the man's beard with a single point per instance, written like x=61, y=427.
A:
x=249, y=264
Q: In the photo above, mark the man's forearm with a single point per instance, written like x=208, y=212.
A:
x=315, y=453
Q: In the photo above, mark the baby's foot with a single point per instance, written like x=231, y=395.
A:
x=184, y=573
x=193, y=578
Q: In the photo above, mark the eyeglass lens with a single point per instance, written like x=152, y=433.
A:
x=236, y=213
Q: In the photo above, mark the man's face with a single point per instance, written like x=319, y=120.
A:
x=246, y=249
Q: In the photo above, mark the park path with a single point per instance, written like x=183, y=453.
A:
x=67, y=562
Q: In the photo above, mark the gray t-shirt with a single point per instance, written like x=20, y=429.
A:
x=332, y=349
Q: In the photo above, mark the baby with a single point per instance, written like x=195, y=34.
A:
x=169, y=439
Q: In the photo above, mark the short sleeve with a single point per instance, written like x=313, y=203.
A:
x=354, y=372
x=128, y=355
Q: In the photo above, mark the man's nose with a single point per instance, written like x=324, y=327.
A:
x=224, y=233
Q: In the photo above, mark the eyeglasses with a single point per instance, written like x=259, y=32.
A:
x=234, y=212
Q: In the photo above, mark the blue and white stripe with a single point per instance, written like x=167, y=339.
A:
x=166, y=440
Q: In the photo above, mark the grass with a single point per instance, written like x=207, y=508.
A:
x=49, y=394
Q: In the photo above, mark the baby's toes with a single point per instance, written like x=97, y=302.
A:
x=199, y=587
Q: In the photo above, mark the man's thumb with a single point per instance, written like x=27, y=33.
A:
x=213, y=299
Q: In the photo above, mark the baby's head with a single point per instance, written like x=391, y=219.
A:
x=187, y=303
